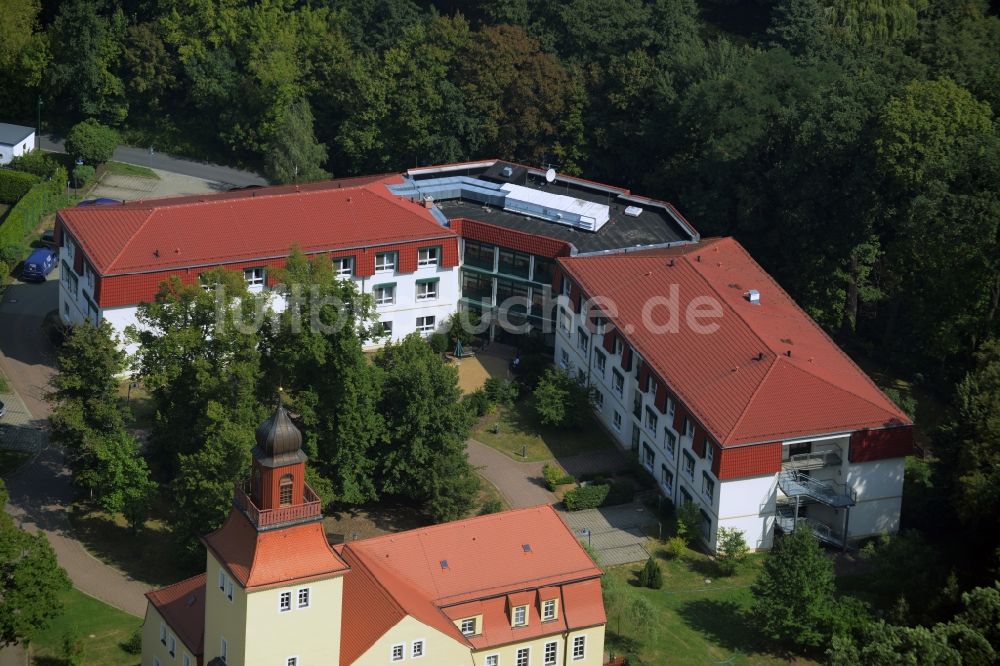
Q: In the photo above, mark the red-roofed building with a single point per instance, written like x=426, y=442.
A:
x=730, y=394
x=507, y=588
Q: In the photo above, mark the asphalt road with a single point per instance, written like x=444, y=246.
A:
x=141, y=156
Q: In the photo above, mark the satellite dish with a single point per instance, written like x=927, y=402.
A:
x=550, y=176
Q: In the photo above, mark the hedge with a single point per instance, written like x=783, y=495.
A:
x=596, y=495
x=15, y=184
x=43, y=198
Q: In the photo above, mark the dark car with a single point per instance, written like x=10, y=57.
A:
x=39, y=264
x=49, y=238
x=100, y=201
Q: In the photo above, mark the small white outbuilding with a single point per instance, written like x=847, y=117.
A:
x=15, y=140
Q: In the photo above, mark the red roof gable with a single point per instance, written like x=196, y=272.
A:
x=273, y=557
x=182, y=606
x=717, y=376
x=168, y=234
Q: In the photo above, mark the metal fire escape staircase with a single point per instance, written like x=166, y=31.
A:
x=800, y=488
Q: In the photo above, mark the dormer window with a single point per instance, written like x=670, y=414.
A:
x=520, y=616
x=468, y=626
x=548, y=610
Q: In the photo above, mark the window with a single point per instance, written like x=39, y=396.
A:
x=689, y=465
x=709, y=450
x=343, y=266
x=397, y=653
x=163, y=633
x=548, y=610
x=303, y=597
x=549, y=656
x=651, y=420
x=795, y=449
x=384, y=294
x=565, y=321
x=600, y=361
x=417, y=649
x=520, y=616
x=688, y=427
x=543, y=271
x=224, y=650
x=187, y=659
x=468, y=626
x=425, y=324
x=156, y=661
x=618, y=421
x=385, y=262
x=598, y=400
x=90, y=276
x=171, y=645
x=427, y=290
x=579, y=647
x=479, y=255
x=254, y=277
x=670, y=407
x=427, y=256
x=477, y=287
x=386, y=328
x=513, y=263
x=653, y=386
x=582, y=340
x=69, y=279
x=707, y=485
x=492, y=660
x=564, y=359
x=523, y=657
x=670, y=441
x=285, y=490
x=618, y=381
x=292, y=661
x=685, y=495
x=666, y=478
x=566, y=287
x=648, y=457
x=222, y=579
x=229, y=588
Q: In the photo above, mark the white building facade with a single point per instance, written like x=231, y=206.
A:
x=15, y=140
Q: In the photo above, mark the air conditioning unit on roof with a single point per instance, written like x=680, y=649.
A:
x=633, y=211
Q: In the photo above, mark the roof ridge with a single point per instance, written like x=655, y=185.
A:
x=151, y=593
x=753, y=396
x=131, y=238
x=440, y=526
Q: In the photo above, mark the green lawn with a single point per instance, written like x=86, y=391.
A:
x=698, y=617
x=520, y=430
x=122, y=169
x=11, y=460
x=141, y=409
x=99, y=627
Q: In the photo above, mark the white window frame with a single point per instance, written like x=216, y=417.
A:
x=671, y=407
x=669, y=441
x=432, y=258
x=523, y=612
x=550, y=658
x=689, y=465
x=223, y=649
x=666, y=478
x=599, y=400
x=579, y=648
x=522, y=657
x=688, y=427
x=651, y=420
x=582, y=339
x=222, y=579
x=648, y=456
x=492, y=660
x=564, y=359
x=383, y=299
x=251, y=277
x=468, y=630
x=427, y=326
x=229, y=588
x=343, y=266
x=709, y=450
x=618, y=383
x=617, y=420
x=386, y=334
x=565, y=321
x=171, y=645
x=292, y=661
x=285, y=601
x=156, y=661
x=421, y=644
x=163, y=633
x=402, y=652
x=548, y=610
x=307, y=592
x=707, y=486
x=387, y=265
x=600, y=362
x=186, y=659
x=430, y=290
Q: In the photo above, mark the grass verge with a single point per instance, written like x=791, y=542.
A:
x=123, y=169
x=101, y=629
x=519, y=430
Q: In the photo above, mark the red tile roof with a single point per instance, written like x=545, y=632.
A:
x=717, y=377
x=182, y=606
x=273, y=557
x=183, y=232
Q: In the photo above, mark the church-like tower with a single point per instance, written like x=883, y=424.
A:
x=277, y=478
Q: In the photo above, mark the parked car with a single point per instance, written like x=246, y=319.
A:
x=3, y=409
x=39, y=264
x=100, y=201
x=48, y=238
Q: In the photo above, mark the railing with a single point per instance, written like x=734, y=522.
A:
x=794, y=483
x=813, y=460
x=786, y=521
x=264, y=519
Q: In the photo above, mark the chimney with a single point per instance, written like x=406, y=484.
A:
x=753, y=296
x=428, y=201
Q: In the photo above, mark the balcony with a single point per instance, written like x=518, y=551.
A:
x=266, y=519
x=795, y=484
x=813, y=460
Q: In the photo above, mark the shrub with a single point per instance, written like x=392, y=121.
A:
x=81, y=174
x=438, y=342
x=91, y=141
x=586, y=497
x=688, y=522
x=650, y=575
x=500, y=391
x=35, y=162
x=133, y=644
x=676, y=547
x=477, y=403
x=15, y=184
x=492, y=505
x=561, y=399
x=4, y=269
x=555, y=476
x=462, y=326
x=730, y=550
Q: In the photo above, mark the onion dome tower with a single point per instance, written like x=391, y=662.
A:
x=277, y=478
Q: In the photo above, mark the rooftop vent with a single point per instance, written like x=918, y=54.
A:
x=428, y=201
x=507, y=172
x=753, y=296
x=526, y=547
x=444, y=565
x=633, y=211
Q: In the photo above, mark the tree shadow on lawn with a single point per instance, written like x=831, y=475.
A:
x=723, y=623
